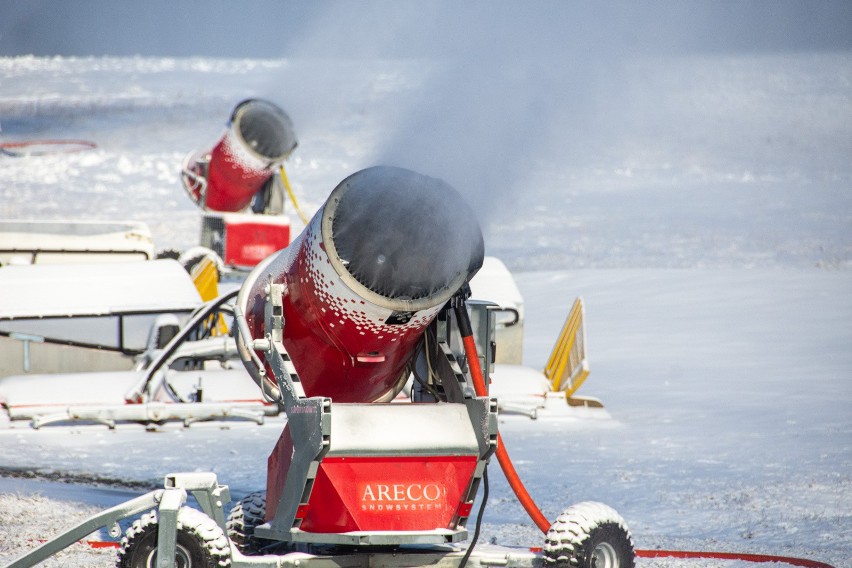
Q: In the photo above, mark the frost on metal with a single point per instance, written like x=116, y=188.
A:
x=578, y=529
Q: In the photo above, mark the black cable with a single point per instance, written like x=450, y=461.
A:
x=422, y=350
x=462, y=319
x=178, y=340
x=469, y=551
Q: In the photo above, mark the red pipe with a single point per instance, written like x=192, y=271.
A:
x=732, y=556
x=502, y=456
x=60, y=147
x=684, y=554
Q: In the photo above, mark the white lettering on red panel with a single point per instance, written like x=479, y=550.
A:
x=402, y=497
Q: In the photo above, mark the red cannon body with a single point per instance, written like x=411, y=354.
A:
x=365, y=278
x=237, y=186
x=258, y=139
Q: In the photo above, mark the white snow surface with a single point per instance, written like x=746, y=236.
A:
x=708, y=227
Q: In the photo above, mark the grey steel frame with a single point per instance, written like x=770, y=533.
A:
x=150, y=411
x=211, y=497
x=320, y=427
x=314, y=418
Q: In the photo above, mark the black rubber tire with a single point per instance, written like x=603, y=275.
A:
x=249, y=512
x=589, y=535
x=200, y=542
x=168, y=253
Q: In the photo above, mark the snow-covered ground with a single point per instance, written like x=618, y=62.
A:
x=702, y=209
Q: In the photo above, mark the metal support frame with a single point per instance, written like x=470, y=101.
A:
x=147, y=410
x=211, y=497
x=153, y=412
x=310, y=421
x=26, y=339
x=204, y=487
x=107, y=518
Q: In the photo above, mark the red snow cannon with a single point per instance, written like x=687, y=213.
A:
x=331, y=329
x=258, y=139
x=367, y=275
x=236, y=185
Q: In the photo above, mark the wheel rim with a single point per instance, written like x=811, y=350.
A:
x=182, y=559
x=604, y=556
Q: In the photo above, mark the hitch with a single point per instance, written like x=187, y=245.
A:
x=204, y=487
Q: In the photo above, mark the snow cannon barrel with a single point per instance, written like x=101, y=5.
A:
x=258, y=139
x=365, y=278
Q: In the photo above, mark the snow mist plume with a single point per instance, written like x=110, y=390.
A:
x=509, y=90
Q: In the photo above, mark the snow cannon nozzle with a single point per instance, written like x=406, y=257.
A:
x=403, y=236
x=364, y=280
x=460, y=297
x=265, y=129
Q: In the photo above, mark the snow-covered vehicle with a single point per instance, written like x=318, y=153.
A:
x=82, y=357
x=195, y=376
x=65, y=241
x=89, y=317
x=550, y=392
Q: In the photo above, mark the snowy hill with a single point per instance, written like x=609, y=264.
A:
x=700, y=203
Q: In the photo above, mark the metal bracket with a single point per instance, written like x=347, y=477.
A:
x=170, y=503
x=205, y=488
x=26, y=339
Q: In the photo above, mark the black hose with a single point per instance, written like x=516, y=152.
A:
x=479, y=515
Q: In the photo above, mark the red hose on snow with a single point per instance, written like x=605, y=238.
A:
x=44, y=147
x=685, y=554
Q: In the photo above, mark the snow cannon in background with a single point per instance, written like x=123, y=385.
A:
x=364, y=279
x=239, y=184
x=227, y=178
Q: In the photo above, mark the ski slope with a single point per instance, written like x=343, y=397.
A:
x=707, y=224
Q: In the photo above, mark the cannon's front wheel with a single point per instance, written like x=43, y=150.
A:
x=200, y=542
x=589, y=535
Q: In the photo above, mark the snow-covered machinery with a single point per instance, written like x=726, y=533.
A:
x=239, y=184
x=96, y=316
x=65, y=241
x=340, y=315
x=373, y=290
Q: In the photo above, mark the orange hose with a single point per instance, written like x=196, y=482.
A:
x=502, y=456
